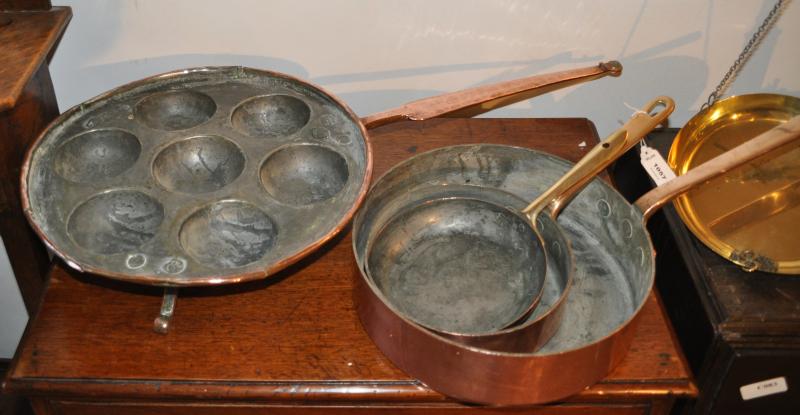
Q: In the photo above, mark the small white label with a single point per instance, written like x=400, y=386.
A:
x=764, y=388
x=655, y=166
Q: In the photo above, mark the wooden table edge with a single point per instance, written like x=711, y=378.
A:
x=410, y=391
x=322, y=391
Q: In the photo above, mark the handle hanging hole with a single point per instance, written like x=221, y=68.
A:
x=656, y=109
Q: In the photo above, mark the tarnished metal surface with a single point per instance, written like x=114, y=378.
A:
x=536, y=326
x=614, y=262
x=202, y=176
x=613, y=275
x=459, y=265
x=266, y=167
x=467, y=268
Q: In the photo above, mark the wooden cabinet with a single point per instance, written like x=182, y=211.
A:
x=737, y=328
x=27, y=105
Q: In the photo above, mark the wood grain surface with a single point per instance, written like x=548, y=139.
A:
x=27, y=105
x=294, y=337
x=26, y=42
x=19, y=126
x=25, y=4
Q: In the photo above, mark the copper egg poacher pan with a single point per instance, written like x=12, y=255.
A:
x=613, y=274
x=218, y=175
x=470, y=268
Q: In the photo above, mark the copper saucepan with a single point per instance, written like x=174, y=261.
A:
x=469, y=268
x=614, y=276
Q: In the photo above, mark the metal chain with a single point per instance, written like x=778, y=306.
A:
x=745, y=55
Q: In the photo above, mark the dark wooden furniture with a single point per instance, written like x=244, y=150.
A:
x=27, y=105
x=29, y=32
x=292, y=344
x=737, y=328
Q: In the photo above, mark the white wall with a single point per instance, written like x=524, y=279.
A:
x=379, y=54
x=13, y=315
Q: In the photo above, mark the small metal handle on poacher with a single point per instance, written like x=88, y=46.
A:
x=601, y=156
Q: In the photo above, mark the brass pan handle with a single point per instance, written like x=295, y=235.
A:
x=750, y=150
x=477, y=100
x=603, y=154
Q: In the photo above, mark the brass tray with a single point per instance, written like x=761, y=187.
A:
x=752, y=215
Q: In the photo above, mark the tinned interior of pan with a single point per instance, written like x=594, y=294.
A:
x=202, y=176
x=463, y=265
x=613, y=267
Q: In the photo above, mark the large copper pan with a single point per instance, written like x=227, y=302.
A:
x=218, y=175
x=469, y=269
x=613, y=276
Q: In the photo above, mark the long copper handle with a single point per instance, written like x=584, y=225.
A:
x=601, y=156
x=477, y=100
x=750, y=150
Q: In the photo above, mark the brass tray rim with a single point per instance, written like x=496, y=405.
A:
x=682, y=203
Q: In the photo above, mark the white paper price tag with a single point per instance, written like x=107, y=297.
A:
x=655, y=165
x=764, y=388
